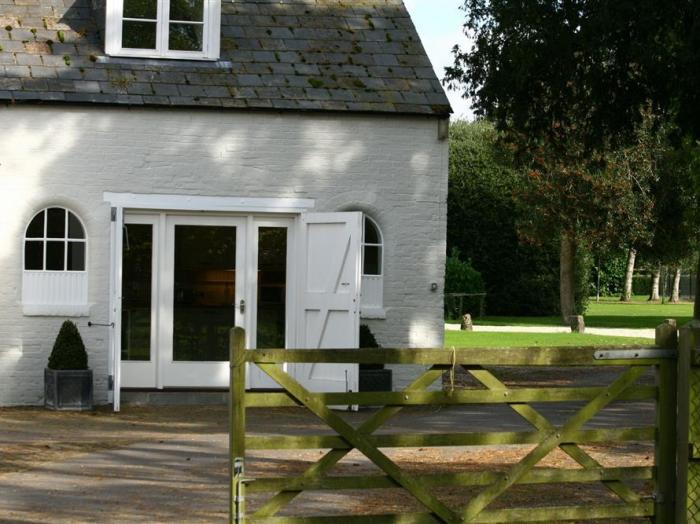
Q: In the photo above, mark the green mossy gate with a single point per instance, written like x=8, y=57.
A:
x=545, y=437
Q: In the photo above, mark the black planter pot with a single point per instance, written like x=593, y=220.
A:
x=375, y=380
x=67, y=389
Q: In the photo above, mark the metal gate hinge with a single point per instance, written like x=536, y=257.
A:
x=695, y=358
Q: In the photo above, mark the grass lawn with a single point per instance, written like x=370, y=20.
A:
x=609, y=313
x=487, y=340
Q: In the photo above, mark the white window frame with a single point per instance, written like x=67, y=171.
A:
x=211, y=35
x=372, y=296
x=48, y=292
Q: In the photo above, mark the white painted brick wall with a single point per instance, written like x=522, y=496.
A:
x=394, y=168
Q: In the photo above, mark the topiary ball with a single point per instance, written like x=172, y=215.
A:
x=68, y=350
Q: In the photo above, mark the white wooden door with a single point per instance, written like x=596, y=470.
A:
x=202, y=296
x=329, y=296
x=139, y=300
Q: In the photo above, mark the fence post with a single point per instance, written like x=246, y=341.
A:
x=665, y=452
x=236, y=425
x=688, y=425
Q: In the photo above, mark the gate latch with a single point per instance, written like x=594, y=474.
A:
x=634, y=354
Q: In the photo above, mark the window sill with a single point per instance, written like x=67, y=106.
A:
x=55, y=310
x=130, y=60
x=378, y=313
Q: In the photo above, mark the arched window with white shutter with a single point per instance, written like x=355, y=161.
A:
x=54, y=277
x=372, y=301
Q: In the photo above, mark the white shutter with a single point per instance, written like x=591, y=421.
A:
x=115, y=304
x=329, y=296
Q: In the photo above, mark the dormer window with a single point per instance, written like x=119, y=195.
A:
x=180, y=29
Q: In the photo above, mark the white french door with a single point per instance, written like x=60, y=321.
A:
x=139, y=295
x=185, y=280
x=183, y=288
x=202, y=296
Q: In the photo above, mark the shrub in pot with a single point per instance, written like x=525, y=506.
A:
x=67, y=379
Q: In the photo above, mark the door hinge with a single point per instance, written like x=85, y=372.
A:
x=113, y=214
x=110, y=383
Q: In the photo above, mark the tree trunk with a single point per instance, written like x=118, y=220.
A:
x=655, y=279
x=676, y=292
x=567, y=277
x=629, y=274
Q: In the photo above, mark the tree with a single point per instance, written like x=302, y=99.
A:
x=482, y=223
x=629, y=275
x=574, y=77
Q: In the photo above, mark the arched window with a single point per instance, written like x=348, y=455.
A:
x=54, y=280
x=372, y=270
x=55, y=241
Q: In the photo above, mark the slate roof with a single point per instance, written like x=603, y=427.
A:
x=328, y=55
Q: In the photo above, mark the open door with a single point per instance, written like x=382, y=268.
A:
x=329, y=295
x=115, y=306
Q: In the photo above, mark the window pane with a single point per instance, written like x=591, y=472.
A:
x=34, y=255
x=75, y=228
x=187, y=10
x=371, y=233
x=141, y=9
x=76, y=256
x=36, y=227
x=373, y=257
x=185, y=37
x=55, y=252
x=272, y=287
x=204, y=309
x=138, y=35
x=136, y=291
x=56, y=223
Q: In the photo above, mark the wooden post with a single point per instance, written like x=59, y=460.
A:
x=666, y=441
x=667, y=334
x=237, y=424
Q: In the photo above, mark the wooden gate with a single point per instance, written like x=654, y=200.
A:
x=480, y=364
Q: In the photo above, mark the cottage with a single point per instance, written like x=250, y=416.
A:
x=171, y=168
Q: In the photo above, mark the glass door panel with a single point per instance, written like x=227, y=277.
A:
x=270, y=325
x=204, y=308
x=272, y=287
x=137, y=261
